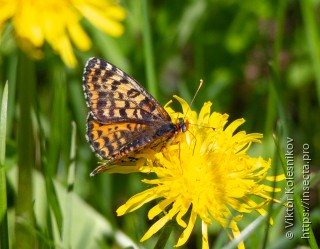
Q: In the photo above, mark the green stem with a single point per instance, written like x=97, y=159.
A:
x=272, y=110
x=148, y=51
x=67, y=221
x=281, y=17
x=4, y=238
x=312, y=29
x=26, y=158
x=297, y=199
x=164, y=236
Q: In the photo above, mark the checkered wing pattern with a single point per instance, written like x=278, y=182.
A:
x=124, y=118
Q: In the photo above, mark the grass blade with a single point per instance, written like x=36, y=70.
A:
x=312, y=30
x=148, y=51
x=67, y=221
x=24, y=238
x=4, y=241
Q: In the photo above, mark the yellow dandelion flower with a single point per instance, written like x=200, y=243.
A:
x=206, y=173
x=58, y=23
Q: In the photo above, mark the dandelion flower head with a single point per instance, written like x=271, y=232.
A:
x=204, y=172
x=58, y=23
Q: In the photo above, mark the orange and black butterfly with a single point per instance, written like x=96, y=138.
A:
x=124, y=118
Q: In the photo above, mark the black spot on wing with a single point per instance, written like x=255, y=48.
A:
x=123, y=113
x=133, y=93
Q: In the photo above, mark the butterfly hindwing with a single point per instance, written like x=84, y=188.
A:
x=112, y=141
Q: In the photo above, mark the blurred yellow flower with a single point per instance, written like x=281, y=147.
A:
x=58, y=23
x=204, y=172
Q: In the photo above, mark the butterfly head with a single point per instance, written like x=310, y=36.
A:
x=182, y=126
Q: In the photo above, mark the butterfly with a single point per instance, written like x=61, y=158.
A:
x=124, y=118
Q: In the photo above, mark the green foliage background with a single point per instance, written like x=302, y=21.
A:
x=259, y=60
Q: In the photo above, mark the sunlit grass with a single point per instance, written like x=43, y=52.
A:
x=4, y=242
x=246, y=53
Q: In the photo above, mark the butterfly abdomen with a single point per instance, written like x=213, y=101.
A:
x=166, y=129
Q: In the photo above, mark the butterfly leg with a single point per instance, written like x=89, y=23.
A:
x=99, y=169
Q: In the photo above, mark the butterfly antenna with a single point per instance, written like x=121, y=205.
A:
x=200, y=85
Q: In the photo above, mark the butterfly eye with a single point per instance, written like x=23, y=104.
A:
x=182, y=125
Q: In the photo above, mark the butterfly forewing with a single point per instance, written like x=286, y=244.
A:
x=124, y=118
x=113, y=96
